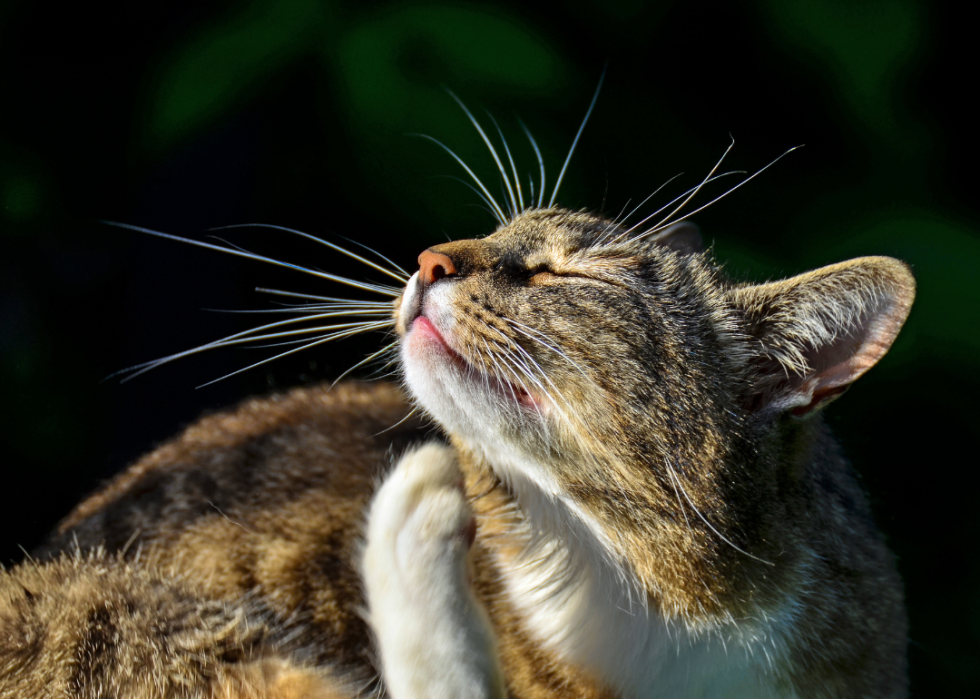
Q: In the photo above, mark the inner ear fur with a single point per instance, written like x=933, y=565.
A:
x=818, y=332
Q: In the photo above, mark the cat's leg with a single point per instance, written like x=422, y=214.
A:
x=434, y=637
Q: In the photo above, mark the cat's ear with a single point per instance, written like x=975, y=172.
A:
x=820, y=331
x=682, y=237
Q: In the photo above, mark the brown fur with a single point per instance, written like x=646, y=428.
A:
x=268, y=500
x=94, y=626
x=720, y=503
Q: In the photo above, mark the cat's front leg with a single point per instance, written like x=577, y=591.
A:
x=434, y=637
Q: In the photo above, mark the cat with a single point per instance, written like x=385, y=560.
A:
x=629, y=491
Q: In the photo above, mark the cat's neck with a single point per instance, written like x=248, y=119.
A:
x=560, y=570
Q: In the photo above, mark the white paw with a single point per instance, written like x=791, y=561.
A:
x=434, y=637
x=419, y=518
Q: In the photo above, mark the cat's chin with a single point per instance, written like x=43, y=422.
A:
x=455, y=392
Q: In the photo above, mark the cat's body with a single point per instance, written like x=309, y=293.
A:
x=260, y=508
x=661, y=512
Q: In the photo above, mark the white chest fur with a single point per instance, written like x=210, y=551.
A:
x=578, y=603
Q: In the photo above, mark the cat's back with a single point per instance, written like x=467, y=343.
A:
x=264, y=455
x=265, y=500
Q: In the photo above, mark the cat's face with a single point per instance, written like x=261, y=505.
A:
x=557, y=335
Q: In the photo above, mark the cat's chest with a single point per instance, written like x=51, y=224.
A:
x=587, y=619
x=573, y=600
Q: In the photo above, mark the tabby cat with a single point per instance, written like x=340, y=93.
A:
x=628, y=491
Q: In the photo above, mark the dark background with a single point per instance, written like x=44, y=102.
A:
x=182, y=116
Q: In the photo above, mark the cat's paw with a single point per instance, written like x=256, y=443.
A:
x=433, y=636
x=419, y=521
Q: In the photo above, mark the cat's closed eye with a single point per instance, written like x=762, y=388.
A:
x=544, y=274
x=541, y=274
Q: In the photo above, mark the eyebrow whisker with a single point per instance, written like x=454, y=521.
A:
x=498, y=212
x=667, y=222
x=578, y=135
x=493, y=151
x=513, y=167
x=537, y=153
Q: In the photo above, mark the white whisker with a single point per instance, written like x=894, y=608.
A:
x=698, y=188
x=494, y=373
x=321, y=310
x=280, y=292
x=686, y=193
x=513, y=168
x=571, y=418
x=375, y=288
x=537, y=153
x=619, y=217
x=520, y=367
x=578, y=135
x=230, y=244
x=371, y=357
x=364, y=325
x=320, y=341
x=673, y=474
x=667, y=222
x=247, y=336
x=498, y=212
x=527, y=332
x=648, y=198
x=493, y=151
x=410, y=413
x=377, y=254
x=625, y=234
x=475, y=191
x=201, y=348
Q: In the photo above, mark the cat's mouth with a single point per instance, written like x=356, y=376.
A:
x=425, y=330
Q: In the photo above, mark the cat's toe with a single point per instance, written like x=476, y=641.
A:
x=432, y=465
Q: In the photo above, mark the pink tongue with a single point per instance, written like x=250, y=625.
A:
x=424, y=325
x=525, y=398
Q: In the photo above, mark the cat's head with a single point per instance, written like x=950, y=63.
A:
x=624, y=368
x=556, y=328
x=536, y=336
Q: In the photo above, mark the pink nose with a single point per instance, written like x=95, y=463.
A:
x=433, y=266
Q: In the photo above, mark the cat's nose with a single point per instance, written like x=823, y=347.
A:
x=433, y=266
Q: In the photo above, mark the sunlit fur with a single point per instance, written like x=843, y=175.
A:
x=661, y=511
x=92, y=625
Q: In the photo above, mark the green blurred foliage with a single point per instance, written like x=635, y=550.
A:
x=396, y=63
x=21, y=197
x=864, y=47
x=389, y=66
x=212, y=71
